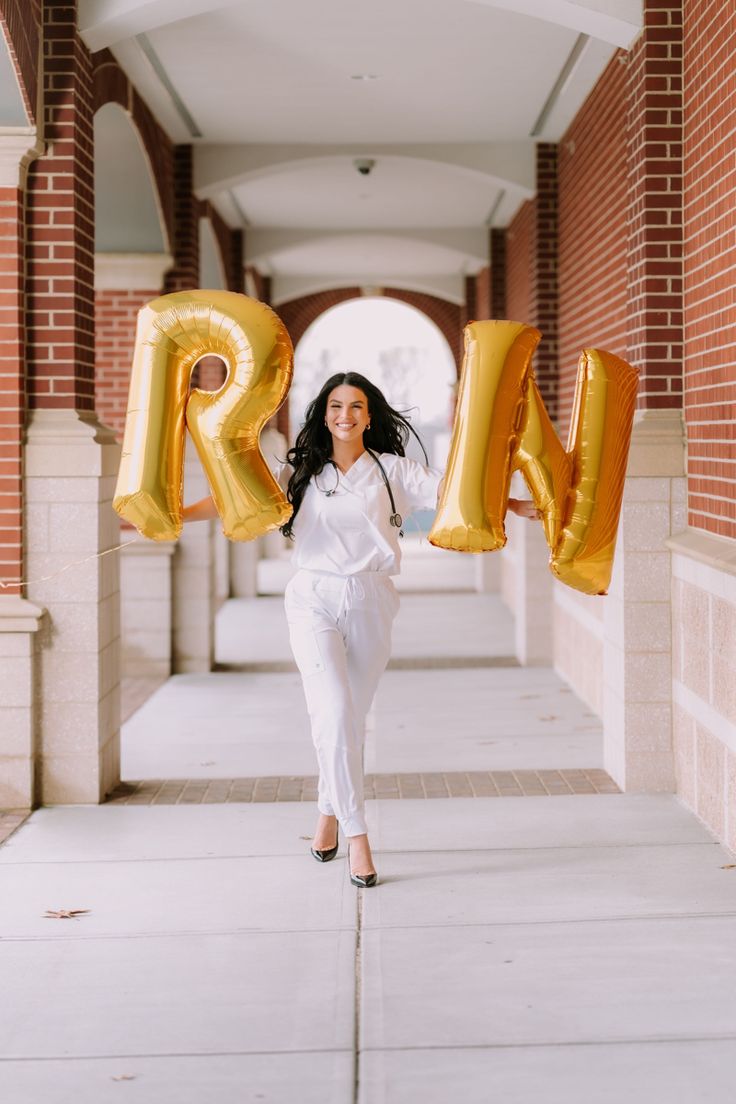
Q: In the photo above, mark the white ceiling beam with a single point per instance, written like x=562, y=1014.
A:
x=262, y=245
x=616, y=21
x=285, y=288
x=505, y=164
x=105, y=22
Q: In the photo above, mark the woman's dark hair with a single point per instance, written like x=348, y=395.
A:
x=389, y=432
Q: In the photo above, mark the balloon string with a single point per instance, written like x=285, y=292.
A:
x=4, y=583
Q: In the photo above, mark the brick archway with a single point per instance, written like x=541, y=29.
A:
x=111, y=85
x=298, y=314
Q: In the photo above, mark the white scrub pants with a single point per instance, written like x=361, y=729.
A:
x=340, y=633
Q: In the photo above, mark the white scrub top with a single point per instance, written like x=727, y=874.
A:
x=350, y=530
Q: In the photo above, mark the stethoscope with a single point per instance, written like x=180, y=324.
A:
x=395, y=519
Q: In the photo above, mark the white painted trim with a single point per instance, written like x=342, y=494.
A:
x=706, y=561
x=131, y=271
x=704, y=714
x=621, y=28
x=105, y=22
x=18, y=147
x=286, y=288
x=572, y=606
x=504, y=164
x=471, y=243
x=658, y=445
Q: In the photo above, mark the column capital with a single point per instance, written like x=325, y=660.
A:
x=131, y=271
x=18, y=147
x=658, y=444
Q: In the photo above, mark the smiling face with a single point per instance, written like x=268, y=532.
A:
x=347, y=413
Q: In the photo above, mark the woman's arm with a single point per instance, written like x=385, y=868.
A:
x=204, y=510
x=524, y=507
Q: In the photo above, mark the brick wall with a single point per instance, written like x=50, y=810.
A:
x=12, y=388
x=185, y=274
x=60, y=234
x=520, y=244
x=710, y=262
x=544, y=274
x=116, y=312
x=654, y=163
x=497, y=290
x=21, y=22
x=483, y=294
x=593, y=200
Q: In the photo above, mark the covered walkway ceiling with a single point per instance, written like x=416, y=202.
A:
x=282, y=97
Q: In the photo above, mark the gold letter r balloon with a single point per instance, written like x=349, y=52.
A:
x=173, y=333
x=502, y=426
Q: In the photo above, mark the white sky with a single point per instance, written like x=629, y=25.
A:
x=396, y=346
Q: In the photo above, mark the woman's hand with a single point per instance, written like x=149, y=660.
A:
x=525, y=508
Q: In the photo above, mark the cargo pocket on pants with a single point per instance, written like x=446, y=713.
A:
x=306, y=648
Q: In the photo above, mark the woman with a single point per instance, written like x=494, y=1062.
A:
x=350, y=485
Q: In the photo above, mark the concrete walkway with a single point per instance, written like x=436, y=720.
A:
x=576, y=948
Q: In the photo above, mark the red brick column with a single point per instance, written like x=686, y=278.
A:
x=116, y=315
x=469, y=311
x=61, y=225
x=185, y=274
x=483, y=293
x=654, y=140
x=531, y=286
x=710, y=260
x=498, y=274
x=544, y=276
x=12, y=386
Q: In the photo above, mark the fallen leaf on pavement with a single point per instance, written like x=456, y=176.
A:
x=123, y=1077
x=64, y=914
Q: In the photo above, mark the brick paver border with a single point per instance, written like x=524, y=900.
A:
x=518, y=783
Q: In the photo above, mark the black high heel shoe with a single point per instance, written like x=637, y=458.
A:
x=329, y=853
x=362, y=881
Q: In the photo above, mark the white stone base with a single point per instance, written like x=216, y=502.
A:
x=526, y=584
x=71, y=464
x=145, y=607
x=244, y=556
x=704, y=677
x=487, y=568
x=19, y=624
x=194, y=579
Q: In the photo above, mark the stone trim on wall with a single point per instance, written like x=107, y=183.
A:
x=704, y=677
x=20, y=621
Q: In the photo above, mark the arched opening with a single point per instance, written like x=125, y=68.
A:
x=396, y=347
x=127, y=214
x=130, y=254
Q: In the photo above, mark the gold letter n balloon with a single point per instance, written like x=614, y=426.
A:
x=502, y=426
x=173, y=333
